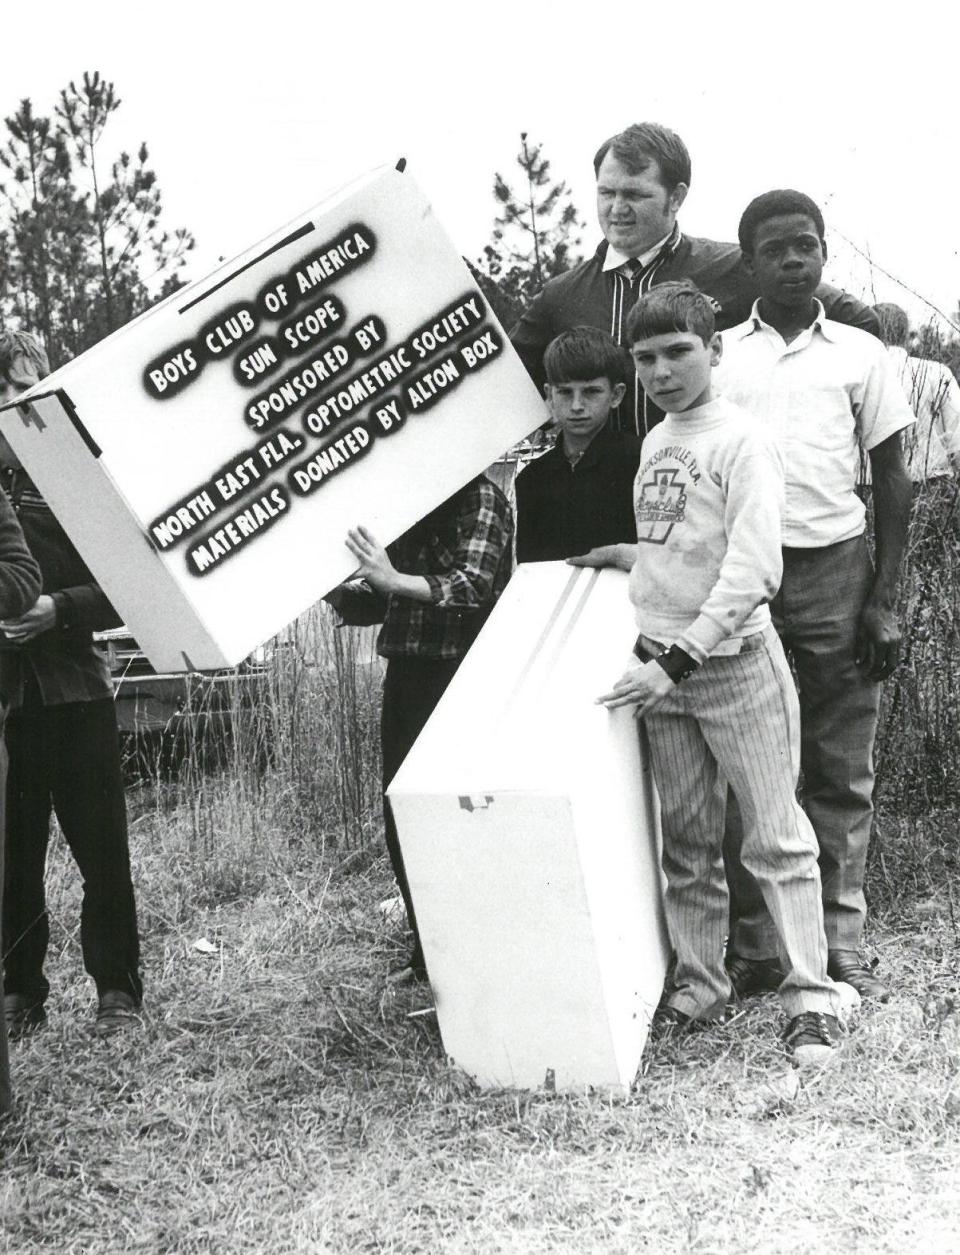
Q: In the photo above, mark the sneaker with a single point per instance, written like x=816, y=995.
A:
x=753, y=976
x=847, y=966
x=22, y=1015
x=812, y=1038
x=117, y=1011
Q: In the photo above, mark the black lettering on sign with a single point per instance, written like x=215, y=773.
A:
x=387, y=417
x=447, y=328
x=312, y=376
x=170, y=372
x=480, y=351
x=442, y=377
x=438, y=333
x=238, y=531
x=256, y=360
x=307, y=328
x=426, y=390
x=230, y=327
x=349, y=447
x=345, y=252
x=237, y=477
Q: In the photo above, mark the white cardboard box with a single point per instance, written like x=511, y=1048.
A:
x=530, y=833
x=176, y=452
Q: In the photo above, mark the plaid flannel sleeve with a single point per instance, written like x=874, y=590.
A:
x=484, y=530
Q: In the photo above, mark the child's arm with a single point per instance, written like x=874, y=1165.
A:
x=484, y=533
x=749, y=574
x=379, y=572
x=752, y=566
x=878, y=632
x=465, y=573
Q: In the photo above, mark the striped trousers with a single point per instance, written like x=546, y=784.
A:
x=737, y=718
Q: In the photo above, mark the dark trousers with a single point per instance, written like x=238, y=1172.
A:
x=68, y=757
x=411, y=689
x=816, y=613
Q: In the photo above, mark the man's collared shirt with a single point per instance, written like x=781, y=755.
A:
x=935, y=399
x=826, y=395
x=614, y=259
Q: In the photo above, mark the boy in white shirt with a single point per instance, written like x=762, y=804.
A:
x=712, y=684
x=829, y=397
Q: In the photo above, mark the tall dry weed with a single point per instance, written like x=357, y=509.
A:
x=286, y=761
x=918, y=741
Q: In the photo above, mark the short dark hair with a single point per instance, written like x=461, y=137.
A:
x=644, y=142
x=14, y=344
x=668, y=307
x=894, y=323
x=586, y=353
x=774, y=205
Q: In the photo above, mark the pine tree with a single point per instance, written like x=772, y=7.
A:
x=39, y=202
x=125, y=210
x=78, y=262
x=535, y=234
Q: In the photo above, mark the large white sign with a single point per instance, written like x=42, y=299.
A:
x=208, y=458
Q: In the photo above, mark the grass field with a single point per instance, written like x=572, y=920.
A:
x=281, y=1098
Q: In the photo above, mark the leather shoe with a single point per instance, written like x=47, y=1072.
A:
x=812, y=1038
x=846, y=965
x=22, y=1015
x=753, y=976
x=117, y=1011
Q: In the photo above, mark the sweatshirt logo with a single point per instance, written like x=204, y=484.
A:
x=661, y=504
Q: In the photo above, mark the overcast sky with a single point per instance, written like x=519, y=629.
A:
x=253, y=112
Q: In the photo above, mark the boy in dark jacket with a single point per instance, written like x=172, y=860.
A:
x=19, y=586
x=64, y=754
x=580, y=494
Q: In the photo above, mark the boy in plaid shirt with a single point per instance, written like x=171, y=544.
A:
x=440, y=580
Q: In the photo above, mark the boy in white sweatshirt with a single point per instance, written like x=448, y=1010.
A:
x=711, y=681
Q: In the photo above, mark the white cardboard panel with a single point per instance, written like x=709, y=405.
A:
x=528, y=822
x=117, y=450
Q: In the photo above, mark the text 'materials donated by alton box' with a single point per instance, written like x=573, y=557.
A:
x=208, y=458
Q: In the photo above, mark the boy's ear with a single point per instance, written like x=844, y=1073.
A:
x=823, y=249
x=748, y=262
x=677, y=197
x=716, y=349
x=617, y=395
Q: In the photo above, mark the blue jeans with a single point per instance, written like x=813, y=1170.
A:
x=816, y=613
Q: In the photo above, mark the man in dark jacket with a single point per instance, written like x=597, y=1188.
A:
x=643, y=175
x=19, y=586
x=64, y=752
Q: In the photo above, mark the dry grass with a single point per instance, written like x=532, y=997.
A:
x=281, y=1099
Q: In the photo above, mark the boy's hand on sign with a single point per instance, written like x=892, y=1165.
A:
x=643, y=686
x=375, y=566
x=41, y=617
x=621, y=556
